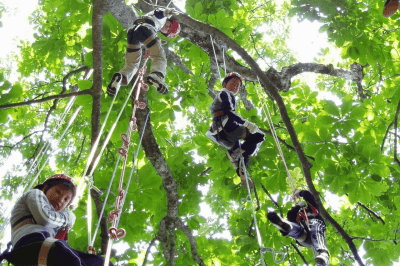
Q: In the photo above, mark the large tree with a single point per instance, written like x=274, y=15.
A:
x=345, y=147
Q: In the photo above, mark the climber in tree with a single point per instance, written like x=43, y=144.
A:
x=144, y=32
x=40, y=224
x=390, y=8
x=228, y=128
x=312, y=236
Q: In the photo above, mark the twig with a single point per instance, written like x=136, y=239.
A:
x=300, y=254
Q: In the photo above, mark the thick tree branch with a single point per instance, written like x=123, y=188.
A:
x=192, y=241
x=97, y=22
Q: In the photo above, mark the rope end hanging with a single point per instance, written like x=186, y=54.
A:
x=90, y=184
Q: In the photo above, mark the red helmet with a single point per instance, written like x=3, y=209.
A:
x=66, y=178
x=231, y=75
x=175, y=29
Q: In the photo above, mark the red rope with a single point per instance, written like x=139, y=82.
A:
x=115, y=233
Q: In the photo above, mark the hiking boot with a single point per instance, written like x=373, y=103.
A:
x=278, y=222
x=156, y=79
x=390, y=8
x=322, y=259
x=114, y=84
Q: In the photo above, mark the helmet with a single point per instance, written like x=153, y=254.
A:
x=60, y=178
x=175, y=29
x=231, y=75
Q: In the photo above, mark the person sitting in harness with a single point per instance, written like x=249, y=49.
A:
x=228, y=128
x=144, y=33
x=311, y=235
x=40, y=224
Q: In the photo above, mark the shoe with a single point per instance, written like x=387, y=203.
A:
x=242, y=176
x=278, y=222
x=157, y=80
x=390, y=8
x=114, y=84
x=322, y=259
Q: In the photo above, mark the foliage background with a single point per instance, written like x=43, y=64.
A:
x=351, y=142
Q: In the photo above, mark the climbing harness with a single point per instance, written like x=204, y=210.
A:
x=115, y=215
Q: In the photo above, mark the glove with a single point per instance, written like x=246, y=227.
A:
x=169, y=12
x=302, y=204
x=251, y=127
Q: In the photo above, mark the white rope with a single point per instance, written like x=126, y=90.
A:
x=81, y=185
x=133, y=167
x=259, y=239
x=272, y=127
x=243, y=166
x=110, y=240
x=215, y=55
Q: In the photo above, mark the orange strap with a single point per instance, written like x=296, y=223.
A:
x=44, y=251
x=24, y=222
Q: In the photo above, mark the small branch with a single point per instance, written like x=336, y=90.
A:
x=80, y=152
x=273, y=201
x=58, y=96
x=300, y=254
x=205, y=171
x=371, y=212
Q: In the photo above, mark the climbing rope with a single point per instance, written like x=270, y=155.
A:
x=272, y=127
x=263, y=249
x=215, y=55
x=114, y=216
x=132, y=123
x=224, y=48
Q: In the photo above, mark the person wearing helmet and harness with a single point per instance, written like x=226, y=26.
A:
x=312, y=236
x=40, y=224
x=144, y=33
x=228, y=128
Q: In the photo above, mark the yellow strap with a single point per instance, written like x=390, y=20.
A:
x=44, y=251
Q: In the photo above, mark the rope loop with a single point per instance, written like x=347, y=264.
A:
x=90, y=183
x=113, y=215
x=116, y=234
x=274, y=253
x=91, y=250
x=122, y=152
x=140, y=105
x=125, y=140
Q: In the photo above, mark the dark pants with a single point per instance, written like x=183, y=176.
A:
x=231, y=135
x=315, y=237
x=27, y=249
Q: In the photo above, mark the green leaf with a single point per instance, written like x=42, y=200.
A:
x=84, y=84
x=331, y=108
x=198, y=9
